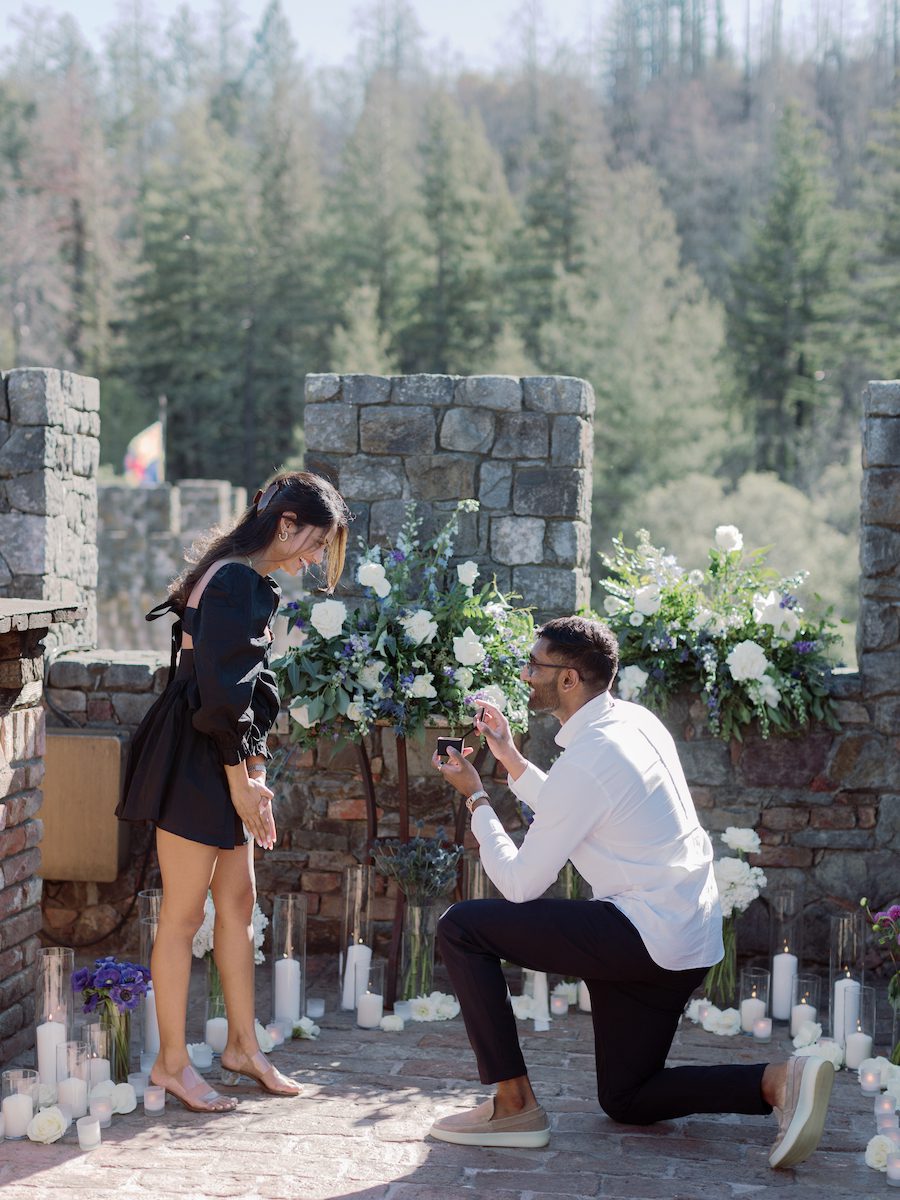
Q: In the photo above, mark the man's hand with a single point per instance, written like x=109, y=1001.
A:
x=495, y=727
x=457, y=772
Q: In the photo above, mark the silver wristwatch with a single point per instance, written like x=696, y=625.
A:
x=481, y=794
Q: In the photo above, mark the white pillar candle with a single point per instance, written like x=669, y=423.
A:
x=88, y=1132
x=784, y=969
x=559, y=1006
x=151, y=1024
x=17, y=1112
x=584, y=997
x=893, y=1170
x=870, y=1080
x=2, y=1127
x=845, y=1008
x=858, y=1049
x=369, y=1010
x=541, y=996
x=800, y=1014
x=49, y=1035
x=286, y=1004
x=762, y=1029
x=101, y=1106
x=73, y=1093
x=217, y=1033
x=139, y=1081
x=358, y=955
x=99, y=1070
x=154, y=1099
x=752, y=1009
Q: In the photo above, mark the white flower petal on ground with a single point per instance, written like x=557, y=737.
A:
x=631, y=682
x=729, y=538
x=467, y=649
x=747, y=661
x=328, y=617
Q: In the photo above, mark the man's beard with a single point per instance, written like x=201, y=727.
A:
x=543, y=698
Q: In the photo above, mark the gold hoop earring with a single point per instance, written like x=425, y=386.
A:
x=283, y=535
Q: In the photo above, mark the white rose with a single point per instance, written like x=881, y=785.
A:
x=371, y=673
x=725, y=1023
x=728, y=538
x=421, y=1009
x=647, y=599
x=447, y=1007
x=300, y=713
x=492, y=694
x=523, y=1007
x=419, y=626
x=468, y=573
x=747, y=661
x=636, y=619
x=709, y=1020
x=391, y=1023
x=808, y=1033
x=422, y=687
x=46, y=1095
x=826, y=1048
x=877, y=1151
x=613, y=605
x=124, y=1099
x=569, y=990
x=768, y=692
x=105, y=1088
x=305, y=1028
x=266, y=1041
x=47, y=1126
x=464, y=677
x=632, y=681
x=746, y=840
x=371, y=574
x=468, y=650
x=328, y=617
x=355, y=711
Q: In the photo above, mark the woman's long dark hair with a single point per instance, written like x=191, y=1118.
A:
x=310, y=499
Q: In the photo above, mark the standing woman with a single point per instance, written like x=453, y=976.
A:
x=197, y=765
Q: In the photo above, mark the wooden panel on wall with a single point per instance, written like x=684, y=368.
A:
x=83, y=839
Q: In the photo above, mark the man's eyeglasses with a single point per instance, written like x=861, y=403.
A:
x=533, y=663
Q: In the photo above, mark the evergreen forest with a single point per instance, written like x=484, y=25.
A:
x=707, y=228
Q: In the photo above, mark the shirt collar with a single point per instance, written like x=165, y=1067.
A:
x=593, y=711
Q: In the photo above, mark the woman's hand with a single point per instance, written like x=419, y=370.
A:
x=252, y=802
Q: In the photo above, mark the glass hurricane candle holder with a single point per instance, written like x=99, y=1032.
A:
x=370, y=990
x=357, y=905
x=859, y=1033
x=288, y=957
x=804, y=1002
x=149, y=902
x=149, y=1023
x=754, y=994
x=786, y=946
x=847, y=945
x=19, y=1088
x=54, y=1006
x=475, y=882
x=74, y=1082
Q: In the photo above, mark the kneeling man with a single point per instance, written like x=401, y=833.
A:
x=616, y=804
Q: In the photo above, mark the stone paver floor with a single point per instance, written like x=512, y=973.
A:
x=358, y=1132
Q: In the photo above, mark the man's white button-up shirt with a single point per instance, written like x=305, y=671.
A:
x=616, y=803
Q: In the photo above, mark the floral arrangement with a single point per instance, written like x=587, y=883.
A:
x=437, y=1006
x=886, y=928
x=735, y=633
x=739, y=885
x=114, y=990
x=423, y=641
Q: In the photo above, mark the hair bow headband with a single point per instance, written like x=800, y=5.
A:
x=263, y=498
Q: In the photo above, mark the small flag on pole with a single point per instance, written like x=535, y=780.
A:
x=145, y=456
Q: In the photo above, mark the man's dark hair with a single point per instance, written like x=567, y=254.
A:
x=588, y=646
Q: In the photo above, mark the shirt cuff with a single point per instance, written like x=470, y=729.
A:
x=528, y=786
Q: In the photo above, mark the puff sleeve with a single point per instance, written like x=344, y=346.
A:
x=230, y=662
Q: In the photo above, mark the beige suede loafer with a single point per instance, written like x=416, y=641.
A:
x=478, y=1127
x=801, y=1121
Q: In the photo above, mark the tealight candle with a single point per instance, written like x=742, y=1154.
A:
x=559, y=1006
x=884, y=1104
x=217, y=1034
x=274, y=1030
x=201, y=1056
x=762, y=1029
x=402, y=1008
x=870, y=1080
x=17, y=1112
x=139, y=1081
x=88, y=1132
x=101, y=1106
x=703, y=1012
x=893, y=1169
x=154, y=1099
x=885, y=1122
x=315, y=1007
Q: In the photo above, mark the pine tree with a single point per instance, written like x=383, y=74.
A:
x=358, y=344
x=786, y=303
x=878, y=257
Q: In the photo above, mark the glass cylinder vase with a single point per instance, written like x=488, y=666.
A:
x=805, y=1008
x=755, y=988
x=118, y=1025
x=72, y=1069
x=357, y=913
x=846, y=956
x=419, y=928
x=785, y=947
x=895, y=1036
x=149, y=1023
x=720, y=983
x=475, y=882
x=859, y=1031
x=149, y=903
x=54, y=1006
x=289, y=914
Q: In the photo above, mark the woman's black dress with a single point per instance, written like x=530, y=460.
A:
x=217, y=708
